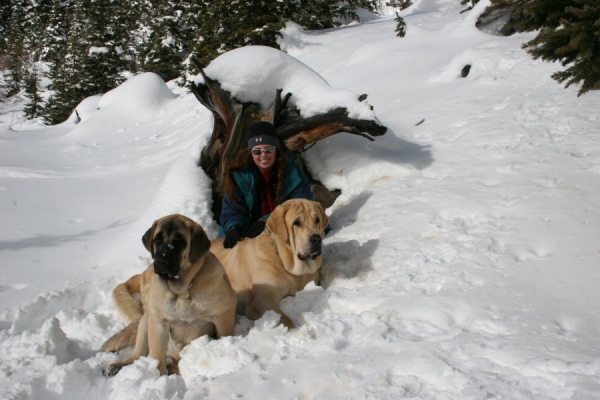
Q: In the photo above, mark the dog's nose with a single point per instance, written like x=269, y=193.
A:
x=316, y=241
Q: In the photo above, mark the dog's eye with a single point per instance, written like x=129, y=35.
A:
x=298, y=222
x=158, y=240
x=318, y=220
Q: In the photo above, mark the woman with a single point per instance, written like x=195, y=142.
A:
x=260, y=178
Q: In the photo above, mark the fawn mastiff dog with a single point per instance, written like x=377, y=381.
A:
x=185, y=293
x=280, y=261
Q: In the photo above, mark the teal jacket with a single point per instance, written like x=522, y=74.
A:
x=246, y=209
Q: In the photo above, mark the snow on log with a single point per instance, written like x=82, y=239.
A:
x=246, y=85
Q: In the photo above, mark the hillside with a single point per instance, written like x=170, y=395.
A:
x=462, y=261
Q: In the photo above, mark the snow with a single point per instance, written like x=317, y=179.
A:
x=94, y=50
x=254, y=73
x=462, y=261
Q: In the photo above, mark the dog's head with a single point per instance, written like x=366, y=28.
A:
x=175, y=243
x=300, y=224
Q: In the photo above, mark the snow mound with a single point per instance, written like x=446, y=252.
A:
x=139, y=99
x=141, y=94
x=85, y=109
x=491, y=61
x=254, y=73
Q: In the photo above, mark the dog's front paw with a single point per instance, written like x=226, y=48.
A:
x=287, y=321
x=172, y=369
x=112, y=370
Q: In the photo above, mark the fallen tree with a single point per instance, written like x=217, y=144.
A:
x=233, y=116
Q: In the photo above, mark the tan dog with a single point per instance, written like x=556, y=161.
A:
x=185, y=294
x=280, y=261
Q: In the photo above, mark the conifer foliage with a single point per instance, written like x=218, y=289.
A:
x=88, y=47
x=93, y=59
x=33, y=107
x=226, y=25
x=569, y=32
x=401, y=4
x=469, y=3
x=16, y=52
x=400, y=26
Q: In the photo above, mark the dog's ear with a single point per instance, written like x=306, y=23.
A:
x=324, y=219
x=147, y=239
x=276, y=222
x=199, y=243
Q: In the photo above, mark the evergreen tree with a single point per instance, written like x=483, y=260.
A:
x=227, y=25
x=36, y=22
x=65, y=70
x=569, y=32
x=15, y=49
x=313, y=15
x=94, y=58
x=169, y=38
x=101, y=48
x=252, y=23
x=56, y=54
x=33, y=107
x=345, y=11
x=54, y=42
x=470, y=7
x=137, y=20
x=5, y=11
x=4, y=57
x=400, y=26
x=90, y=45
x=401, y=4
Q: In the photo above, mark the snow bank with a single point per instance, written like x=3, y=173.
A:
x=141, y=95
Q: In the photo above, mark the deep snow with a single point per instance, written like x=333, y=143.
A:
x=462, y=264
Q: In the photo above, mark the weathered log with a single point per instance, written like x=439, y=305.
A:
x=232, y=118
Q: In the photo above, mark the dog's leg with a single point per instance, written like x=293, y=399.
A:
x=130, y=308
x=141, y=348
x=267, y=297
x=173, y=368
x=224, y=323
x=122, y=339
x=158, y=341
x=244, y=301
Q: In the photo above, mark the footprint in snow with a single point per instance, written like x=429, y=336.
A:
x=14, y=286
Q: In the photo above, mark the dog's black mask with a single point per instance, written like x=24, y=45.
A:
x=315, y=249
x=168, y=251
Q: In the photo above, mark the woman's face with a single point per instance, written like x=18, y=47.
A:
x=264, y=160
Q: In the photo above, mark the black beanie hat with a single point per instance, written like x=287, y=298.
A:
x=262, y=132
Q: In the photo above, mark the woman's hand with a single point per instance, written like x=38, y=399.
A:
x=234, y=235
x=256, y=228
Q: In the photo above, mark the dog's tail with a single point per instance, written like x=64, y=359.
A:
x=122, y=339
x=128, y=306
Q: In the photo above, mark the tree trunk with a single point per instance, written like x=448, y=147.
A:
x=232, y=119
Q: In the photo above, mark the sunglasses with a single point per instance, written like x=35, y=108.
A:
x=268, y=150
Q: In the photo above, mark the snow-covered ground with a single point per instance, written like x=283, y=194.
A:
x=463, y=262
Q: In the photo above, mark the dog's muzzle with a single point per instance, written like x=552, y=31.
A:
x=166, y=262
x=315, y=248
